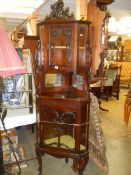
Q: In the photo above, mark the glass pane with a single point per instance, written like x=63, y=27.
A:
x=82, y=44
x=60, y=46
x=53, y=80
x=79, y=81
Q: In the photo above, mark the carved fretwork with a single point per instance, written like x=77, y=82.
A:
x=65, y=34
x=61, y=117
x=58, y=11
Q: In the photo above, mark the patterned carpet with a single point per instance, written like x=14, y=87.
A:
x=112, y=122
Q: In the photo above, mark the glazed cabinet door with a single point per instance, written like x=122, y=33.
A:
x=59, y=48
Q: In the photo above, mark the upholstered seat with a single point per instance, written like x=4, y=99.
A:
x=125, y=78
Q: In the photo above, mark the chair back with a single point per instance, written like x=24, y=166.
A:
x=111, y=73
x=114, y=72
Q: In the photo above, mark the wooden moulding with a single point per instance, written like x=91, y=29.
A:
x=102, y=4
x=106, y=2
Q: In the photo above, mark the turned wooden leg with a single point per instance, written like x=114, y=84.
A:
x=125, y=108
x=81, y=173
x=128, y=114
x=80, y=164
x=107, y=93
x=118, y=94
x=39, y=158
x=66, y=160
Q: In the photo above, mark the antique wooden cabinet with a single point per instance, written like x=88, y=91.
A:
x=62, y=73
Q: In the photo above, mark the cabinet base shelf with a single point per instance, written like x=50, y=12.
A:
x=80, y=158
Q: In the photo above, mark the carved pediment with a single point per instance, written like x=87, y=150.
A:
x=58, y=11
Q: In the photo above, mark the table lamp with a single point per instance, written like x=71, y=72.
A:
x=10, y=64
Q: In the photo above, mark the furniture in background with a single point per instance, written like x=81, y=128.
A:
x=19, y=89
x=19, y=117
x=14, y=118
x=18, y=98
x=127, y=107
x=8, y=68
x=129, y=85
x=99, y=87
x=109, y=84
x=127, y=55
x=113, y=74
x=125, y=78
x=29, y=42
x=62, y=107
x=18, y=92
x=114, y=48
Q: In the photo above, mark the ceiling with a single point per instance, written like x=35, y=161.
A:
x=13, y=13
x=121, y=17
x=120, y=8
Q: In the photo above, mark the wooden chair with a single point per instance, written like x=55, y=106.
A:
x=114, y=73
x=127, y=108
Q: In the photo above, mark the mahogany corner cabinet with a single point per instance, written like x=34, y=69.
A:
x=62, y=73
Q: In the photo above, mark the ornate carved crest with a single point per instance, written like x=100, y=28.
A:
x=61, y=116
x=58, y=11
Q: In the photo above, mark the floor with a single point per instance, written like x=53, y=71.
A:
x=51, y=165
x=118, y=155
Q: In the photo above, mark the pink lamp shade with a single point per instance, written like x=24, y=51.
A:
x=10, y=62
